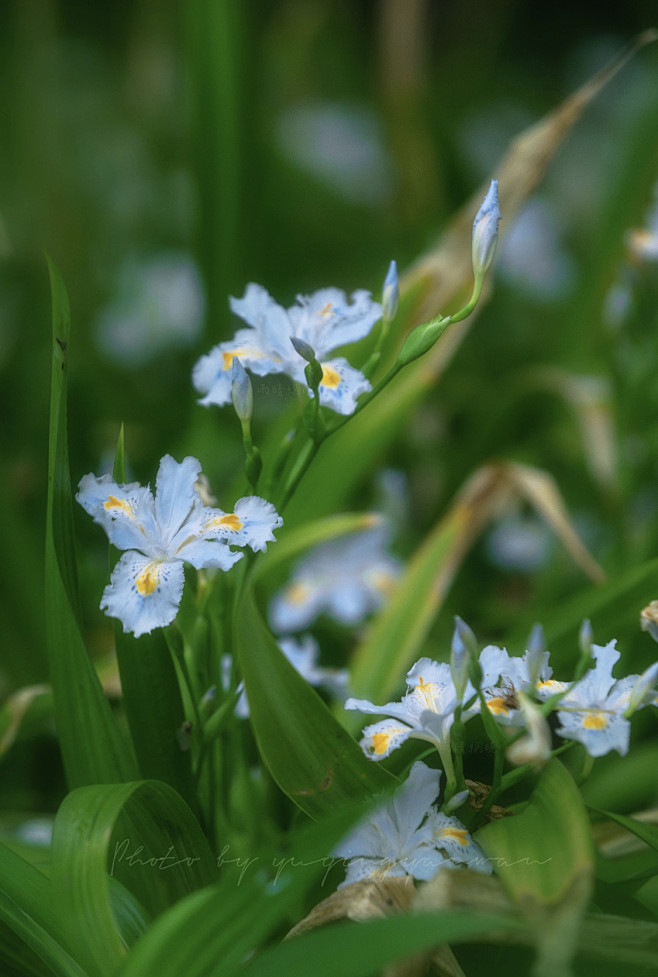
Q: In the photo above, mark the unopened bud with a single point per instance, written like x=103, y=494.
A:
x=586, y=638
x=649, y=619
x=456, y=801
x=391, y=293
x=535, y=746
x=241, y=391
x=459, y=659
x=644, y=691
x=535, y=656
x=304, y=349
x=485, y=232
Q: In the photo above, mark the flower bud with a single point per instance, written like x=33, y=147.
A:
x=304, y=349
x=649, y=619
x=459, y=659
x=586, y=638
x=485, y=232
x=391, y=293
x=644, y=691
x=241, y=391
x=535, y=655
x=535, y=746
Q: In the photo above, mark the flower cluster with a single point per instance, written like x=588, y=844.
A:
x=594, y=710
x=321, y=322
x=408, y=835
x=159, y=533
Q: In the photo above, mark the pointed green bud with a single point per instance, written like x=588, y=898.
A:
x=485, y=232
x=421, y=339
x=391, y=293
x=304, y=349
x=241, y=391
x=312, y=371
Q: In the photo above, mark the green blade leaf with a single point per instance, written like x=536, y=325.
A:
x=545, y=859
x=154, y=709
x=361, y=949
x=648, y=833
x=93, y=749
x=140, y=834
x=309, y=754
x=539, y=852
x=215, y=930
x=28, y=909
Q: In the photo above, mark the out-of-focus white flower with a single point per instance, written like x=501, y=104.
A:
x=159, y=304
x=323, y=321
x=161, y=533
x=408, y=836
x=346, y=578
x=531, y=257
x=342, y=145
x=453, y=840
x=393, y=841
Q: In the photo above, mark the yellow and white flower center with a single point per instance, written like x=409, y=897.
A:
x=148, y=580
x=595, y=720
x=497, y=706
x=330, y=378
x=428, y=691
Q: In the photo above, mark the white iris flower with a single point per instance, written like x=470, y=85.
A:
x=426, y=712
x=408, y=836
x=592, y=711
x=324, y=320
x=347, y=578
x=161, y=533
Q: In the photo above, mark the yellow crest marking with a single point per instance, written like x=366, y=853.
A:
x=148, y=580
x=113, y=503
x=329, y=377
x=380, y=742
x=595, y=720
x=497, y=706
x=457, y=834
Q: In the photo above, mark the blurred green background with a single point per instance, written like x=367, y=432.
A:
x=166, y=154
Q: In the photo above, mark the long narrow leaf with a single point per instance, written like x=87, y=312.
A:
x=93, y=749
x=309, y=754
